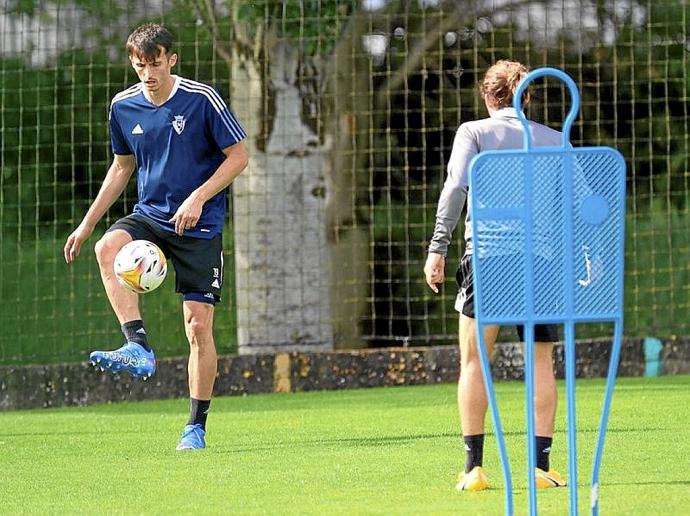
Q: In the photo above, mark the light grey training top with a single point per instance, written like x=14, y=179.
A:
x=503, y=130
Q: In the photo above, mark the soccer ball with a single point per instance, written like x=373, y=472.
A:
x=140, y=266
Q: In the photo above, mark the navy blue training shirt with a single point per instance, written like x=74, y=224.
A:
x=177, y=146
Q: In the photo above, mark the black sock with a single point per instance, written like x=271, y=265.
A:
x=198, y=410
x=474, y=446
x=543, y=450
x=134, y=332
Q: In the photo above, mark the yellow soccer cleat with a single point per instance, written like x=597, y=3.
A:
x=475, y=480
x=546, y=480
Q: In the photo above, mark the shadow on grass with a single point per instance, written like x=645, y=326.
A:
x=522, y=433
x=385, y=440
x=356, y=441
x=664, y=483
x=70, y=432
x=520, y=490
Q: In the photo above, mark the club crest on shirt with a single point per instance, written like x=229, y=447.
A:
x=178, y=123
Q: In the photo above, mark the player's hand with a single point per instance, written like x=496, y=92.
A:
x=434, y=270
x=187, y=214
x=75, y=241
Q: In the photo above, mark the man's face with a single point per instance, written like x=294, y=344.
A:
x=156, y=72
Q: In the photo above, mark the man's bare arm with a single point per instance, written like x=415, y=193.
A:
x=115, y=181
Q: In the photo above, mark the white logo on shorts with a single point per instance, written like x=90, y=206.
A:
x=460, y=300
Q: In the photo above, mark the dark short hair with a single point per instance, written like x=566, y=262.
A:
x=145, y=41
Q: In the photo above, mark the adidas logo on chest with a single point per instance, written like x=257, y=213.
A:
x=178, y=123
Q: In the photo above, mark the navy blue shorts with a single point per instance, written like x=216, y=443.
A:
x=198, y=262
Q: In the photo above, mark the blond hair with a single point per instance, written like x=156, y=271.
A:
x=500, y=82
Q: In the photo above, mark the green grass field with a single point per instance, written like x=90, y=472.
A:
x=376, y=451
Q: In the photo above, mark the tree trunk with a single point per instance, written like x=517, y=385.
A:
x=281, y=252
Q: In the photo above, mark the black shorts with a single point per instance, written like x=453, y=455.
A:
x=198, y=262
x=464, y=303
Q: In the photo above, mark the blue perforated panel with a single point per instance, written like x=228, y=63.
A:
x=548, y=230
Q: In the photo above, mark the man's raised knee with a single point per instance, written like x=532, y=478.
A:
x=109, y=245
x=106, y=250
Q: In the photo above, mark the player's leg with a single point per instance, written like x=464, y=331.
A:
x=125, y=303
x=135, y=356
x=201, y=368
x=472, y=401
x=545, y=403
x=545, y=395
x=199, y=275
x=203, y=360
x=472, y=398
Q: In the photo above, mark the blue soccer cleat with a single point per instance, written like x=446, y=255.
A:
x=193, y=438
x=131, y=358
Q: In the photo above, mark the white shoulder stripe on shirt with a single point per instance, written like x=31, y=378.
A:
x=129, y=92
x=222, y=113
x=123, y=97
x=212, y=96
x=219, y=102
x=215, y=97
x=134, y=86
